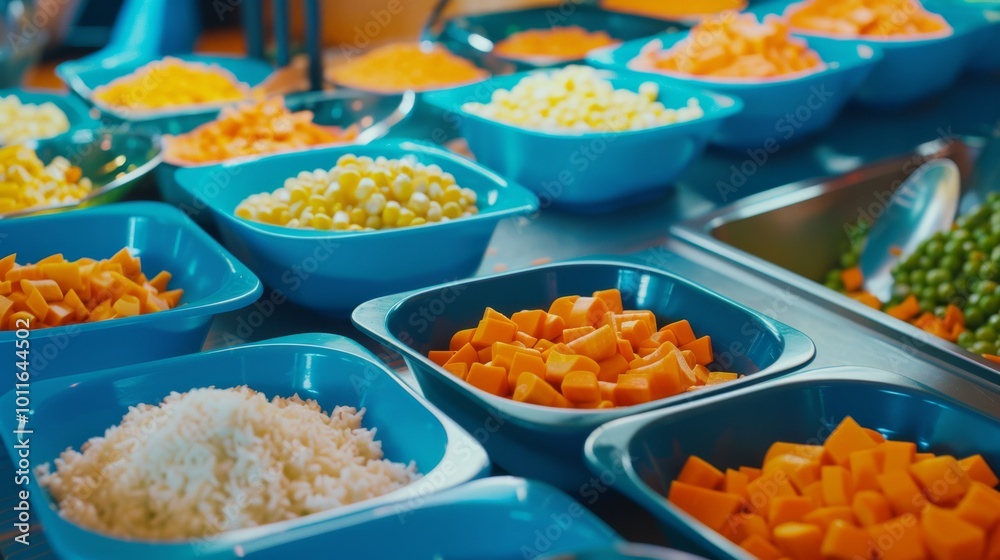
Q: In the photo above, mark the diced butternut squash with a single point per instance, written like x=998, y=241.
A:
x=870, y=507
x=897, y=455
x=530, y=321
x=844, y=541
x=824, y=517
x=799, y=540
x=787, y=509
x=865, y=469
x=527, y=340
x=838, y=488
x=767, y=487
x=977, y=469
x=458, y=369
x=612, y=299
x=491, y=379
x=534, y=390
x=811, y=452
x=741, y=526
x=460, y=339
x=632, y=389
x=574, y=333
x=524, y=362
x=466, y=355
x=598, y=345
x=719, y=377
x=735, y=482
x=942, y=479
x=901, y=491
x=581, y=387
x=700, y=472
x=761, y=548
x=949, y=537
x=558, y=365
x=492, y=330
x=707, y=506
x=440, y=357
x=845, y=439
x=980, y=506
x=702, y=350
x=900, y=538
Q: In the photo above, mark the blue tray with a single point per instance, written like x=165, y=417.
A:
x=650, y=450
x=546, y=443
x=331, y=369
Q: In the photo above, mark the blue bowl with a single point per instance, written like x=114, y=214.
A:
x=330, y=369
x=332, y=272
x=374, y=114
x=212, y=280
x=76, y=111
x=775, y=112
x=471, y=35
x=83, y=77
x=649, y=450
x=902, y=77
x=492, y=519
x=547, y=443
x=590, y=172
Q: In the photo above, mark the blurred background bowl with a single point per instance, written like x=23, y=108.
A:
x=77, y=112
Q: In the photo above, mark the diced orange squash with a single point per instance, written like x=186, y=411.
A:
x=906, y=309
x=127, y=306
x=786, y=509
x=526, y=339
x=525, y=362
x=611, y=368
x=14, y=320
x=7, y=263
x=161, y=280
x=719, y=377
x=597, y=345
x=27, y=272
x=440, y=357
x=503, y=354
x=897, y=455
x=876, y=436
x=635, y=331
x=700, y=472
x=765, y=488
x=993, y=546
x=558, y=365
x=466, y=355
x=492, y=330
x=702, y=350
x=752, y=473
x=980, y=506
x=129, y=264
x=949, y=537
x=844, y=541
x=707, y=506
x=586, y=311
x=172, y=297
x=900, y=538
x=491, y=379
x=569, y=335
x=811, y=452
x=845, y=439
x=761, y=548
x=977, y=469
x=612, y=299
x=901, y=491
x=735, y=482
x=852, y=279
x=485, y=354
x=741, y=526
x=543, y=344
x=530, y=321
x=558, y=348
x=799, y=540
x=458, y=369
x=460, y=339
x=701, y=374
x=825, y=516
x=870, y=507
x=625, y=349
x=689, y=358
x=865, y=469
x=553, y=327
x=534, y=390
x=640, y=315
x=662, y=351
x=917, y=457
x=6, y=309
x=814, y=490
x=581, y=387
x=607, y=390
x=837, y=485
x=682, y=332
x=68, y=277
x=800, y=471
x=563, y=306
x=49, y=289
x=5, y=288
x=632, y=389
x=942, y=479
x=36, y=304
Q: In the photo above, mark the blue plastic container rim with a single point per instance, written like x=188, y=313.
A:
x=242, y=287
x=372, y=316
x=606, y=57
x=514, y=199
x=468, y=467
x=716, y=106
x=608, y=445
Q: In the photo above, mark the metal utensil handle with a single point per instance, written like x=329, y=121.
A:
x=432, y=25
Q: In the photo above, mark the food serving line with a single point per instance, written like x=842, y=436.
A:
x=941, y=397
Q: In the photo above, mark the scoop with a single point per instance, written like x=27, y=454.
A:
x=923, y=205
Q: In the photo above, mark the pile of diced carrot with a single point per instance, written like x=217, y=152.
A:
x=54, y=291
x=584, y=352
x=858, y=496
x=869, y=18
x=565, y=43
x=735, y=46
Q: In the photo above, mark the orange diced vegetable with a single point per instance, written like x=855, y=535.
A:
x=897, y=455
x=611, y=368
x=524, y=362
x=977, y=469
x=906, y=309
x=558, y=365
x=826, y=516
x=707, y=506
x=870, y=507
x=941, y=478
x=949, y=537
x=440, y=357
x=612, y=299
x=682, y=332
x=852, y=279
x=799, y=540
x=597, y=345
x=901, y=491
x=632, y=389
x=845, y=439
x=844, y=541
x=717, y=377
x=466, y=355
x=702, y=349
x=980, y=506
x=459, y=369
x=562, y=307
x=761, y=548
x=493, y=330
x=581, y=387
x=460, y=339
x=699, y=472
x=491, y=379
x=786, y=509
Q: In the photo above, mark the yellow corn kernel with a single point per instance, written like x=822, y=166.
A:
x=322, y=221
x=418, y=222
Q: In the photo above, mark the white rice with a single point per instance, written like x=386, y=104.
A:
x=212, y=460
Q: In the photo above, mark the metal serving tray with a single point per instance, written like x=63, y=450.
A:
x=796, y=233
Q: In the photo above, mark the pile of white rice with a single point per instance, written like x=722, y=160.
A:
x=211, y=460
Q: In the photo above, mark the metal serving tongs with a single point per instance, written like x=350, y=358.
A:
x=434, y=27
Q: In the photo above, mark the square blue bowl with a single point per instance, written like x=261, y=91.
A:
x=330, y=369
x=775, y=112
x=77, y=113
x=491, y=519
x=165, y=239
x=543, y=442
x=332, y=272
x=83, y=77
x=910, y=70
x=651, y=449
x=589, y=172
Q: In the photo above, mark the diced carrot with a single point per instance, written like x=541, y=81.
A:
x=718, y=377
x=611, y=368
x=7, y=263
x=701, y=374
x=635, y=332
x=977, y=469
x=542, y=345
x=530, y=321
x=492, y=330
x=852, y=279
x=786, y=509
x=460, y=339
x=49, y=289
x=161, y=280
x=980, y=506
x=702, y=349
x=942, y=479
x=127, y=306
x=906, y=309
x=607, y=390
x=643, y=315
x=661, y=352
x=824, y=517
x=682, y=332
x=845, y=439
x=707, y=506
x=844, y=541
x=36, y=304
x=735, y=482
x=6, y=309
x=558, y=365
x=534, y=390
x=27, y=272
x=700, y=472
x=5, y=288
x=581, y=387
x=560, y=348
x=901, y=491
x=440, y=357
x=597, y=345
x=949, y=537
x=503, y=354
x=761, y=548
x=68, y=276
x=658, y=338
x=491, y=379
x=897, y=455
x=562, y=307
x=524, y=362
x=612, y=299
x=467, y=355
x=870, y=507
x=172, y=297
x=799, y=540
x=569, y=335
x=553, y=327
x=586, y=311
x=665, y=378
x=459, y=369
x=526, y=339
x=632, y=389
x=867, y=299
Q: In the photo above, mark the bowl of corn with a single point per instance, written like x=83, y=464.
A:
x=37, y=114
x=585, y=140
x=335, y=227
x=77, y=170
x=272, y=126
x=169, y=95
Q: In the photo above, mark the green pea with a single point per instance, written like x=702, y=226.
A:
x=938, y=276
x=934, y=249
x=994, y=321
x=945, y=291
x=953, y=247
x=989, y=271
x=950, y=264
x=918, y=277
x=966, y=339
x=927, y=304
x=940, y=310
x=986, y=333
x=833, y=276
x=930, y=294
x=990, y=304
x=926, y=262
x=960, y=234
x=987, y=287
x=848, y=260
x=983, y=347
x=974, y=317
x=901, y=291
